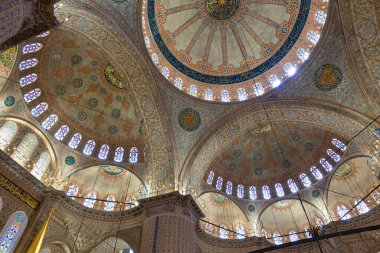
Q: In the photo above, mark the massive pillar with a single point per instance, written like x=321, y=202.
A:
x=170, y=225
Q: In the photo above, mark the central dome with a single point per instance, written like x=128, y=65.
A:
x=222, y=9
x=226, y=50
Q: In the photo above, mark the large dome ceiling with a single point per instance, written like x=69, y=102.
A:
x=218, y=49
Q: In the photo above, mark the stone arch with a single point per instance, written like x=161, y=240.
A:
x=111, y=244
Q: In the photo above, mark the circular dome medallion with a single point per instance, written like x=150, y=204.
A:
x=328, y=77
x=221, y=9
x=189, y=119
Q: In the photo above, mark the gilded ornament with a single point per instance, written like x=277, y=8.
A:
x=222, y=9
x=8, y=56
x=109, y=74
x=189, y=119
x=328, y=77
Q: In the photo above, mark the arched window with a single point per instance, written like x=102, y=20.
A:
x=305, y=180
x=319, y=222
x=32, y=95
x=210, y=177
x=193, y=90
x=209, y=228
x=155, y=58
x=110, y=204
x=279, y=190
x=264, y=233
x=12, y=232
x=240, y=191
x=303, y=54
x=292, y=186
x=72, y=191
x=219, y=183
x=62, y=132
x=376, y=196
x=343, y=212
x=119, y=154
x=361, y=206
x=258, y=89
x=333, y=155
x=133, y=155
x=147, y=42
x=325, y=164
x=225, y=96
x=289, y=69
x=27, y=64
x=240, y=232
x=320, y=16
x=209, y=95
x=89, y=147
x=293, y=236
x=229, y=188
x=8, y=132
x=49, y=121
x=31, y=48
x=26, y=80
x=313, y=37
x=75, y=140
x=39, y=109
x=90, y=200
x=277, y=238
x=165, y=72
x=307, y=232
x=45, y=250
x=25, y=149
x=316, y=173
x=242, y=94
x=178, y=83
x=252, y=193
x=266, y=192
x=274, y=81
x=103, y=152
x=339, y=144
x=44, y=34
x=223, y=233
x=41, y=165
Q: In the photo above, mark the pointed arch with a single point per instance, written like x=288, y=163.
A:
x=13, y=231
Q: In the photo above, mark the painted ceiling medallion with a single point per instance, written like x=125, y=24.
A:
x=189, y=119
x=111, y=170
x=222, y=9
x=328, y=77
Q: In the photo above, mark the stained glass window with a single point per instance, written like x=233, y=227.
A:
x=27, y=64
x=49, y=121
x=242, y=94
x=289, y=69
x=103, y=152
x=110, y=204
x=342, y=212
x=75, y=140
x=361, y=206
x=210, y=177
x=266, y=192
x=320, y=16
x=26, y=80
x=223, y=233
x=209, y=228
x=8, y=132
x=147, y=42
x=376, y=196
x=155, y=58
x=316, y=173
x=72, y=191
x=25, y=149
x=333, y=155
x=119, y=154
x=325, y=164
x=240, y=191
x=292, y=186
x=303, y=54
x=165, y=72
x=339, y=144
x=12, y=232
x=219, y=183
x=229, y=188
x=319, y=222
x=258, y=89
x=305, y=180
x=133, y=155
x=44, y=34
x=32, y=95
x=274, y=81
x=41, y=165
x=39, y=109
x=89, y=147
x=90, y=200
x=279, y=190
x=240, y=232
x=31, y=48
x=62, y=132
x=277, y=239
x=225, y=96
x=178, y=83
x=193, y=90
x=264, y=233
x=252, y=193
x=209, y=95
x=293, y=236
x=307, y=232
x=313, y=37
